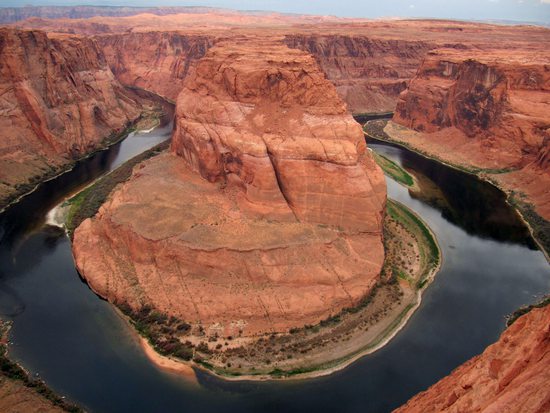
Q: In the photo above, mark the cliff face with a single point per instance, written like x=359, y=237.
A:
x=369, y=73
x=511, y=375
x=278, y=119
x=58, y=101
x=489, y=111
x=501, y=101
x=13, y=14
x=155, y=61
x=266, y=215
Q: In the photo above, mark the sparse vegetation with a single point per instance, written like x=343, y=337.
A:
x=414, y=224
x=526, y=309
x=315, y=348
x=163, y=332
x=87, y=202
x=539, y=226
x=393, y=170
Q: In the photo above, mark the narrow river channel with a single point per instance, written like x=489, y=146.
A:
x=77, y=343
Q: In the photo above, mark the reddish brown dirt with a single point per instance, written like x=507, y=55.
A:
x=15, y=397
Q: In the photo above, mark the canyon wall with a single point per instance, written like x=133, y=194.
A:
x=484, y=111
x=58, y=101
x=369, y=73
x=265, y=216
x=283, y=123
x=155, y=61
x=13, y=14
x=511, y=375
x=502, y=101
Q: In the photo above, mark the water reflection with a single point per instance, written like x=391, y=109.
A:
x=476, y=206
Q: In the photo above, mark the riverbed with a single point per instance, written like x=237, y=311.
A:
x=80, y=346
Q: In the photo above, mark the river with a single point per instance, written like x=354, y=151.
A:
x=78, y=344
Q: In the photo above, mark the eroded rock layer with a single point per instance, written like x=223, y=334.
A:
x=484, y=110
x=369, y=73
x=155, y=61
x=275, y=127
x=511, y=375
x=267, y=214
x=58, y=101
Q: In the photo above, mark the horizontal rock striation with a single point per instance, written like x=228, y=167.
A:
x=484, y=110
x=154, y=61
x=502, y=101
x=58, y=101
x=275, y=127
x=369, y=73
x=265, y=216
x=511, y=375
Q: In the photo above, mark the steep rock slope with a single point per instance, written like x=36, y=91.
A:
x=155, y=61
x=485, y=110
x=511, y=375
x=369, y=73
x=58, y=101
x=276, y=117
x=267, y=214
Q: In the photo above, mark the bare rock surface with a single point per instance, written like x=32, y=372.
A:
x=484, y=110
x=267, y=215
x=58, y=101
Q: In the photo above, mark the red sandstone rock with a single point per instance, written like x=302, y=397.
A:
x=511, y=375
x=488, y=110
x=269, y=217
x=369, y=73
x=275, y=127
x=155, y=61
x=58, y=101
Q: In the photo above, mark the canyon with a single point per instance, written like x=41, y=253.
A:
x=484, y=111
x=269, y=194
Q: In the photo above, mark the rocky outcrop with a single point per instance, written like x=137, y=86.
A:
x=266, y=216
x=155, y=61
x=276, y=128
x=369, y=73
x=58, y=101
x=511, y=375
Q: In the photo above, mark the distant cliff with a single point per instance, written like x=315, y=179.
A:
x=499, y=99
x=487, y=111
x=155, y=61
x=369, y=73
x=13, y=14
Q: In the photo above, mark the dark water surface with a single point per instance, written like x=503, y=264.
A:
x=78, y=344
